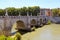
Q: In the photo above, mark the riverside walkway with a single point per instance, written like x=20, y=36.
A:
x=47, y=32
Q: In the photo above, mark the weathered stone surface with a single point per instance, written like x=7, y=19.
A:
x=6, y=22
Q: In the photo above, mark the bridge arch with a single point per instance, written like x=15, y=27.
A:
x=41, y=20
x=18, y=24
x=33, y=22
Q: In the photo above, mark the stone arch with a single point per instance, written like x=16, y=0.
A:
x=44, y=21
x=16, y=25
x=20, y=24
x=33, y=22
x=41, y=21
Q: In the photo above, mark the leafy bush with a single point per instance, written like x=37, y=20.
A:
x=17, y=36
x=3, y=37
x=10, y=38
x=49, y=22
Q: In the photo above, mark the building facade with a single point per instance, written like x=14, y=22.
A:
x=45, y=12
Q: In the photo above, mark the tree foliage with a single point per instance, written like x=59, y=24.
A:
x=22, y=11
x=34, y=10
x=12, y=11
x=56, y=12
x=2, y=12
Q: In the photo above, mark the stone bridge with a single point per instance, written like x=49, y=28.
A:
x=6, y=22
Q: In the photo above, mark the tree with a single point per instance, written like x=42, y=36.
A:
x=12, y=11
x=34, y=10
x=30, y=10
x=56, y=12
x=2, y=12
x=19, y=10
x=22, y=11
x=59, y=12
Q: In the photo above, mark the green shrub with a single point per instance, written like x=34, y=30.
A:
x=49, y=22
x=17, y=36
x=9, y=38
x=2, y=37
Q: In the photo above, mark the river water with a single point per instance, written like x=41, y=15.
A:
x=47, y=32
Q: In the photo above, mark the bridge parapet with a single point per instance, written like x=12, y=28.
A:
x=19, y=16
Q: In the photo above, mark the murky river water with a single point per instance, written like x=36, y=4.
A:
x=47, y=32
